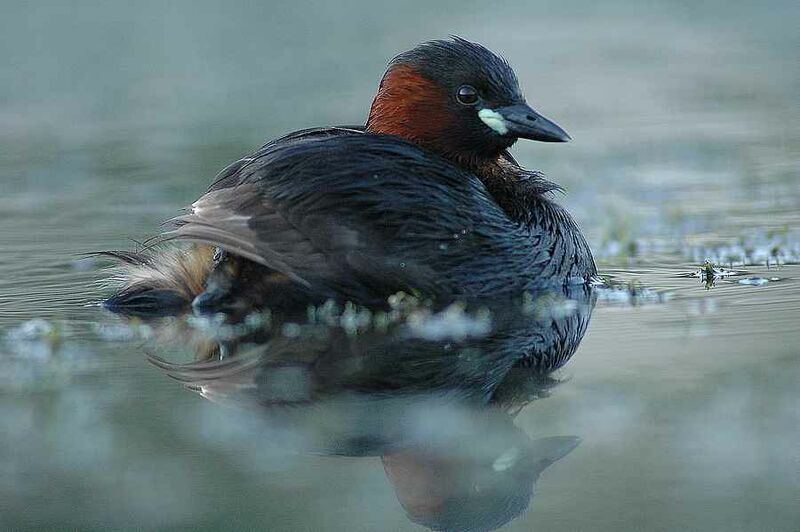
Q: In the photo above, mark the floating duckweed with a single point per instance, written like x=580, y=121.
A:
x=206, y=322
x=454, y=322
x=755, y=281
x=35, y=339
x=774, y=247
x=119, y=332
x=409, y=309
x=217, y=324
x=291, y=330
x=557, y=307
x=707, y=270
x=354, y=319
x=403, y=302
x=327, y=313
x=35, y=329
x=548, y=306
x=631, y=293
x=258, y=320
x=710, y=273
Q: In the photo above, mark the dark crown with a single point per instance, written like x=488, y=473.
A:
x=458, y=60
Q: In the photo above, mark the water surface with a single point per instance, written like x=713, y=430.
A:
x=682, y=397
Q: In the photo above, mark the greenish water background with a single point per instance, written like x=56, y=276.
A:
x=685, y=119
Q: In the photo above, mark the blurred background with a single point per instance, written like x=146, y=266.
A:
x=684, y=116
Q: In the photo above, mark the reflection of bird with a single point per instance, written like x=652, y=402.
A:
x=508, y=362
x=439, y=411
x=461, y=488
x=425, y=198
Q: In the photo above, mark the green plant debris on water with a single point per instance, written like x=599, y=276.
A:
x=454, y=322
x=747, y=253
x=124, y=331
x=710, y=274
x=36, y=330
x=628, y=293
x=758, y=281
x=417, y=315
x=36, y=356
x=549, y=306
x=759, y=246
x=217, y=325
x=696, y=238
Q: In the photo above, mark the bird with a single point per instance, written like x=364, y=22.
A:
x=424, y=198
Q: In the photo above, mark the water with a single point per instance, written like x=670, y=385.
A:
x=686, y=148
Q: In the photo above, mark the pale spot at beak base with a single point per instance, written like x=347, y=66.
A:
x=494, y=120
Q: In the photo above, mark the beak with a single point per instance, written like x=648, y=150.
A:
x=525, y=123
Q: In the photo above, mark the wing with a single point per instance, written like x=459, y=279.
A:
x=363, y=211
x=231, y=218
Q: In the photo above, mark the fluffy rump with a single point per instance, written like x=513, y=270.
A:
x=158, y=282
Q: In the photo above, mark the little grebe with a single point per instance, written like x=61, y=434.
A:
x=424, y=199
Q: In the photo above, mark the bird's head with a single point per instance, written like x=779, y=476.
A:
x=458, y=99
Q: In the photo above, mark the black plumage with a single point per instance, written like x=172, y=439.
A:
x=346, y=214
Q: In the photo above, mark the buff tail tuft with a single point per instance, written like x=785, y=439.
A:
x=159, y=282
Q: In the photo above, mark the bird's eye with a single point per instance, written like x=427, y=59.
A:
x=467, y=95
